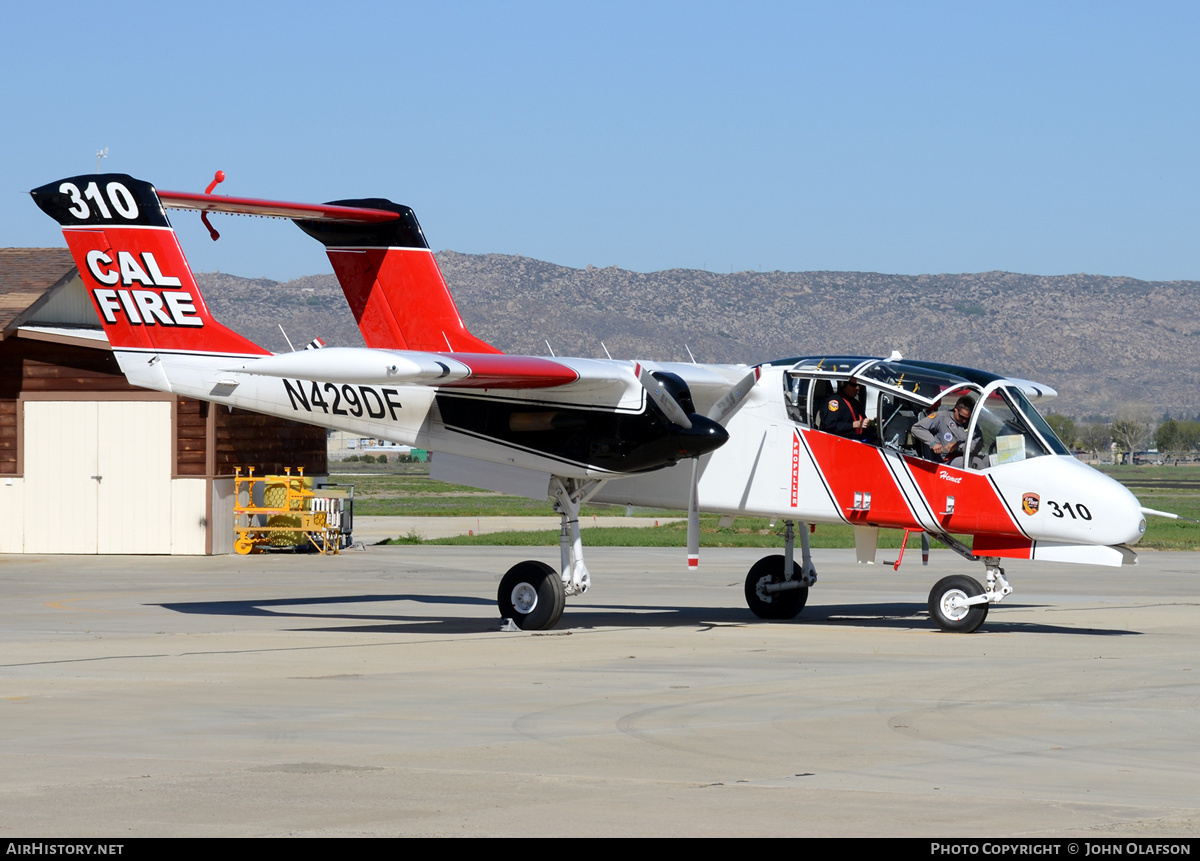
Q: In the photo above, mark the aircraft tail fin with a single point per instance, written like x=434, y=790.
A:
x=392, y=282
x=132, y=266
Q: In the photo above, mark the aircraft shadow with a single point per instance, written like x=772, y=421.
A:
x=880, y=616
x=913, y=615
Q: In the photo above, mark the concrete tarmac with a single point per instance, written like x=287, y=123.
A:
x=373, y=694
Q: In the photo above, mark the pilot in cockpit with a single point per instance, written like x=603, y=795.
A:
x=843, y=415
x=945, y=434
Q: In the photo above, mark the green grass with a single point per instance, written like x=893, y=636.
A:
x=1162, y=533
x=745, y=532
x=411, y=492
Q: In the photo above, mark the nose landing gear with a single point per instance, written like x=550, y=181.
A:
x=959, y=604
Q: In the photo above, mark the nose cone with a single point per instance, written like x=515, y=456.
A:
x=1123, y=521
x=1116, y=513
x=703, y=436
x=1135, y=522
x=1059, y=499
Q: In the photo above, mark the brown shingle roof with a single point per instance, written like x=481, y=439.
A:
x=27, y=277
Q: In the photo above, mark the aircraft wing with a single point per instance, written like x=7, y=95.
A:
x=1034, y=391
x=604, y=380
x=415, y=368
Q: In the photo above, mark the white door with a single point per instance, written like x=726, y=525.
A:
x=98, y=476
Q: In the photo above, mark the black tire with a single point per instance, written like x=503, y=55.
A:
x=773, y=605
x=949, y=618
x=532, y=595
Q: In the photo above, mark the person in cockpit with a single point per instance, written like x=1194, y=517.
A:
x=842, y=414
x=945, y=434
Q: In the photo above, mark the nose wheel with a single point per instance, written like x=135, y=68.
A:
x=958, y=604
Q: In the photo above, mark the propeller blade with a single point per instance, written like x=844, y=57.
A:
x=663, y=398
x=726, y=405
x=693, y=523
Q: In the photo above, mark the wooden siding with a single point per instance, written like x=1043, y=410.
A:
x=266, y=443
x=191, y=437
x=39, y=366
x=8, y=436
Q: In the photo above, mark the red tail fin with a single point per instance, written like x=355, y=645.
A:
x=130, y=262
x=393, y=283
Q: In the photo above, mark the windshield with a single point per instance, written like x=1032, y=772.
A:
x=1039, y=423
x=1006, y=435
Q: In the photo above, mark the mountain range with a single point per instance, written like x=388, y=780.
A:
x=1101, y=341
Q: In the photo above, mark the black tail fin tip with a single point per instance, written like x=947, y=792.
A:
x=405, y=232
x=101, y=199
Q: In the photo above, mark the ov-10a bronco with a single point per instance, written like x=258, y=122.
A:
x=761, y=440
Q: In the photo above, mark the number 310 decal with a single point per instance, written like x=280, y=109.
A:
x=1078, y=511
x=116, y=193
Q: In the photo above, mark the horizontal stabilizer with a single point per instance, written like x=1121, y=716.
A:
x=275, y=208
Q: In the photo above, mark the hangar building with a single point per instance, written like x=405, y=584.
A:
x=90, y=464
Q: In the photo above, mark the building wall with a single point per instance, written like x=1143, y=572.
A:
x=67, y=414
x=268, y=444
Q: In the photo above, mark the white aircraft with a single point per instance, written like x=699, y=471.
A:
x=608, y=430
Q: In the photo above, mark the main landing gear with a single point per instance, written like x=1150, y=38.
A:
x=532, y=594
x=775, y=587
x=959, y=604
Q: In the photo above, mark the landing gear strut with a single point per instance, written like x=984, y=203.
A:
x=532, y=593
x=775, y=589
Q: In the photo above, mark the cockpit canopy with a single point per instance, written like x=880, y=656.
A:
x=897, y=393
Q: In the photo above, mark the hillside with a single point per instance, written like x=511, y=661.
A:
x=1101, y=341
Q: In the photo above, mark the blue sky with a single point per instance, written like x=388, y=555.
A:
x=897, y=137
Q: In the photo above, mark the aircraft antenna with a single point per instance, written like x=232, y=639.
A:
x=286, y=338
x=606, y=352
x=551, y=349
x=100, y=153
x=690, y=356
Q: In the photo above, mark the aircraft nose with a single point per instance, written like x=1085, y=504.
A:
x=1085, y=506
x=1128, y=520
x=1136, y=528
x=703, y=436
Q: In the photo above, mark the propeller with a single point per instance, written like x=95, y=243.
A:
x=656, y=386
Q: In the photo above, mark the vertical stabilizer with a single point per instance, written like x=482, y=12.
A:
x=392, y=282
x=132, y=266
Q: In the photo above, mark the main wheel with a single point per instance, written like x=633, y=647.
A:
x=772, y=605
x=532, y=595
x=947, y=605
